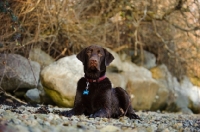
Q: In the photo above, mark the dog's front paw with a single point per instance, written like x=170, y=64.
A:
x=67, y=113
x=133, y=116
x=102, y=113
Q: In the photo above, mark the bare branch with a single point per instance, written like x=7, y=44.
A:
x=184, y=29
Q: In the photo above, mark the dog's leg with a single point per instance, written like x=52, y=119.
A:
x=125, y=103
x=78, y=107
x=103, y=105
x=130, y=113
x=103, y=113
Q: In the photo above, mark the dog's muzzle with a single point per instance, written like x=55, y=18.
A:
x=94, y=63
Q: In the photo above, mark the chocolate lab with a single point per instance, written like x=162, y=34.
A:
x=95, y=96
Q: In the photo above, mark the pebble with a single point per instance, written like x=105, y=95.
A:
x=110, y=128
x=28, y=121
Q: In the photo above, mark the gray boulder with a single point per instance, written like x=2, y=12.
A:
x=144, y=58
x=165, y=94
x=33, y=95
x=37, y=55
x=175, y=96
x=116, y=65
x=17, y=72
x=141, y=86
x=190, y=93
x=117, y=79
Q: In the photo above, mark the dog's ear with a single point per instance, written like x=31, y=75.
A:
x=108, y=57
x=81, y=55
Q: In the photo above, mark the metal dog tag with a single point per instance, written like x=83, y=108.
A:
x=86, y=92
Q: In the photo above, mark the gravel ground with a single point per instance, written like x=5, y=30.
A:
x=15, y=117
x=47, y=119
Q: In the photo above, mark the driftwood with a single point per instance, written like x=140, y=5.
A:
x=13, y=98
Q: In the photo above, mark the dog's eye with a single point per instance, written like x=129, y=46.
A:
x=90, y=51
x=99, y=53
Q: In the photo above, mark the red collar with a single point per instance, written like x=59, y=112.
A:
x=96, y=80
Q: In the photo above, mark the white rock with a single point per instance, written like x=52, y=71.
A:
x=60, y=80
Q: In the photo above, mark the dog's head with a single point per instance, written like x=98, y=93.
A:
x=95, y=59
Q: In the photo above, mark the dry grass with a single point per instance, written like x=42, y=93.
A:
x=168, y=29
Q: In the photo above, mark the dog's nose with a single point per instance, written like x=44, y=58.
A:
x=94, y=63
x=93, y=60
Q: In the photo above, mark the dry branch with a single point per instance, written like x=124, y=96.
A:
x=56, y=25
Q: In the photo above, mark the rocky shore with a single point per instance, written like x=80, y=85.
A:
x=48, y=119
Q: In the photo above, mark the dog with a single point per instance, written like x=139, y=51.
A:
x=95, y=96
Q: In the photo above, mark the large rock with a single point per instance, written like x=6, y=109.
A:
x=167, y=100
x=162, y=74
x=44, y=97
x=17, y=72
x=161, y=98
x=191, y=94
x=60, y=80
x=116, y=64
x=144, y=58
x=164, y=79
x=117, y=79
x=36, y=54
x=141, y=86
x=195, y=80
x=181, y=96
